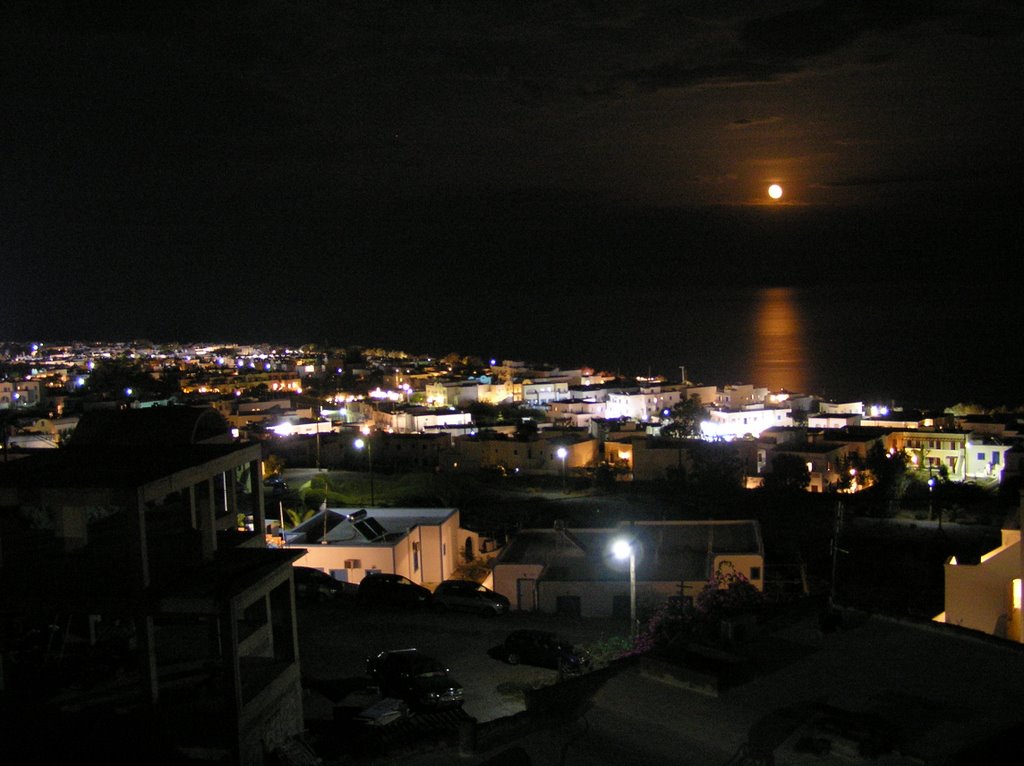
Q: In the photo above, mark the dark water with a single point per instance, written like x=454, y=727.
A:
x=932, y=346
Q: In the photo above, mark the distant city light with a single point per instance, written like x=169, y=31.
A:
x=775, y=191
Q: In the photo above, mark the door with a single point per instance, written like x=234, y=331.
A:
x=526, y=594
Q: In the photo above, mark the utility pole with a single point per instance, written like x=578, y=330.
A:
x=836, y=550
x=318, y=410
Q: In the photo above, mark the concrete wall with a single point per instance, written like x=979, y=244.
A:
x=597, y=599
x=980, y=596
x=507, y=576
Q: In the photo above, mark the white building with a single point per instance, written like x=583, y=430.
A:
x=734, y=424
x=648, y=403
x=987, y=596
x=414, y=420
x=20, y=393
x=985, y=457
x=541, y=391
x=423, y=544
x=739, y=395
x=571, y=572
x=462, y=393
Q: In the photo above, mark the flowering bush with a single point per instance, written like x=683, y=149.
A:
x=726, y=593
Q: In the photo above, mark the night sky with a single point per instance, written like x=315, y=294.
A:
x=443, y=173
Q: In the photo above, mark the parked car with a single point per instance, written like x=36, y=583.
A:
x=391, y=589
x=275, y=485
x=315, y=585
x=469, y=596
x=546, y=650
x=420, y=680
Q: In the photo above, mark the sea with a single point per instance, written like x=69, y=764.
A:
x=933, y=346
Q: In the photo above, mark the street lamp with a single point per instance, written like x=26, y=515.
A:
x=625, y=549
x=931, y=505
x=562, y=453
x=360, y=444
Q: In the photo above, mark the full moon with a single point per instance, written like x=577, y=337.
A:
x=774, y=191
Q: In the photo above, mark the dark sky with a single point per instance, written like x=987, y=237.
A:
x=290, y=170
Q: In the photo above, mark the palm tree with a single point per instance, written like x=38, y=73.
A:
x=297, y=517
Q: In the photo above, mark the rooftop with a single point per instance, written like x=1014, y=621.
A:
x=668, y=551
x=365, y=526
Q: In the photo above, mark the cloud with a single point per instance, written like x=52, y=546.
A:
x=748, y=122
x=877, y=180
x=768, y=48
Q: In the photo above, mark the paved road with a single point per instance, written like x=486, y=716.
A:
x=336, y=638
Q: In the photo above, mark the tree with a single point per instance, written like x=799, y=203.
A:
x=789, y=473
x=850, y=465
x=295, y=518
x=888, y=470
x=273, y=465
x=685, y=419
x=116, y=376
x=716, y=467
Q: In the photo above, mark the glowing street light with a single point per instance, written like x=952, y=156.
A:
x=931, y=506
x=563, y=453
x=360, y=444
x=625, y=549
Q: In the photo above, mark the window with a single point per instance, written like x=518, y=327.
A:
x=415, y=557
x=981, y=456
x=996, y=457
x=755, y=573
x=353, y=564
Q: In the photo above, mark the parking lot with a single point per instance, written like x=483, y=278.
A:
x=336, y=638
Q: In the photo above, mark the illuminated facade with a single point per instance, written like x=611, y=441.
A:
x=649, y=403
x=734, y=424
x=987, y=596
x=570, y=572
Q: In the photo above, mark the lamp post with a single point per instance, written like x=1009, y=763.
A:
x=360, y=444
x=625, y=549
x=563, y=453
x=931, y=504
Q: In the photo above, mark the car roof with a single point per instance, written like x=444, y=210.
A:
x=310, y=571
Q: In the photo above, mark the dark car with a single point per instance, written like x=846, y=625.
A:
x=469, y=596
x=420, y=680
x=545, y=650
x=315, y=585
x=275, y=485
x=392, y=590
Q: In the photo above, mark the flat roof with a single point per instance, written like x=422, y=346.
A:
x=110, y=466
x=668, y=551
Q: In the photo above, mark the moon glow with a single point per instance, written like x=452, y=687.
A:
x=775, y=191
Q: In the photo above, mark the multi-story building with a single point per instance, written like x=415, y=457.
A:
x=144, y=540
